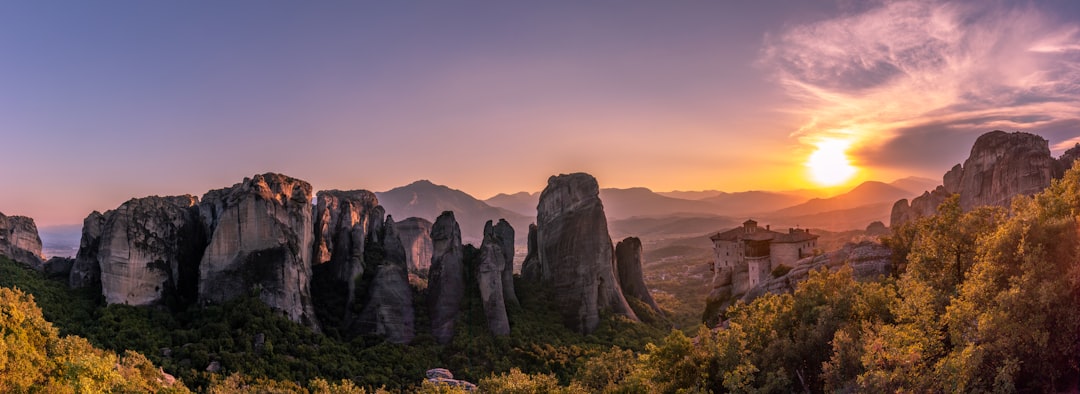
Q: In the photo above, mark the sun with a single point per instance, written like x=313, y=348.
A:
x=829, y=165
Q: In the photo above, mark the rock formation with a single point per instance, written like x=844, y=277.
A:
x=575, y=252
x=345, y=223
x=261, y=237
x=868, y=261
x=504, y=235
x=628, y=265
x=443, y=376
x=59, y=267
x=446, y=280
x=388, y=308
x=530, y=268
x=489, y=276
x=1000, y=166
x=86, y=271
x=149, y=249
x=415, y=235
x=19, y=240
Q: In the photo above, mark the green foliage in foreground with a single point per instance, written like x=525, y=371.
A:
x=257, y=347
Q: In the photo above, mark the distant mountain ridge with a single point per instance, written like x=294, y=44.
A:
x=426, y=200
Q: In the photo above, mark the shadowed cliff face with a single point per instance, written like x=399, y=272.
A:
x=261, y=238
x=575, y=254
x=629, y=261
x=446, y=284
x=415, y=235
x=1000, y=166
x=19, y=240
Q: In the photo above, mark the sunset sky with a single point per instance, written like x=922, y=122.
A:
x=104, y=101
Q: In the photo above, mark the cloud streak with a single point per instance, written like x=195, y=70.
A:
x=895, y=76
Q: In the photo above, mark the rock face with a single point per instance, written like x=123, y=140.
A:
x=1000, y=166
x=415, y=235
x=345, y=222
x=628, y=265
x=530, y=268
x=388, y=309
x=504, y=235
x=575, y=252
x=921, y=206
x=19, y=240
x=868, y=261
x=489, y=276
x=86, y=272
x=149, y=249
x=446, y=282
x=261, y=238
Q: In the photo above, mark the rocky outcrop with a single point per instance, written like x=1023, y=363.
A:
x=489, y=277
x=575, y=252
x=1000, y=166
x=59, y=267
x=868, y=261
x=446, y=280
x=388, y=307
x=442, y=376
x=631, y=279
x=921, y=206
x=86, y=271
x=261, y=238
x=1068, y=158
x=504, y=235
x=415, y=235
x=149, y=250
x=530, y=268
x=19, y=240
x=345, y=223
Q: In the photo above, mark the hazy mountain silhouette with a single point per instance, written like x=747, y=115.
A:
x=916, y=185
x=521, y=202
x=752, y=202
x=427, y=200
x=867, y=193
x=691, y=195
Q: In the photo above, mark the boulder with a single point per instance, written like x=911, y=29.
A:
x=443, y=376
x=446, y=280
x=504, y=234
x=20, y=242
x=575, y=252
x=150, y=249
x=261, y=237
x=415, y=235
x=631, y=279
x=489, y=277
x=86, y=272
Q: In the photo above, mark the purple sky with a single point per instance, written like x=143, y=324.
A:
x=104, y=101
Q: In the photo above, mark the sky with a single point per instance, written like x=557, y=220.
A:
x=101, y=102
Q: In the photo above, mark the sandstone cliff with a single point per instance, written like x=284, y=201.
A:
x=489, y=277
x=503, y=234
x=530, y=268
x=19, y=240
x=150, y=249
x=415, y=235
x=388, y=307
x=575, y=252
x=446, y=283
x=261, y=238
x=86, y=271
x=629, y=261
x=1000, y=166
x=345, y=223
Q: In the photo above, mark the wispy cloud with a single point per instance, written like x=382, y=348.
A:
x=895, y=76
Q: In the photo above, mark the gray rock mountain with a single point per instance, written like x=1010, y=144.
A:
x=503, y=233
x=489, y=277
x=575, y=252
x=261, y=236
x=86, y=271
x=631, y=279
x=19, y=240
x=446, y=280
x=415, y=235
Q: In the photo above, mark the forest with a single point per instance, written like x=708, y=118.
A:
x=984, y=300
